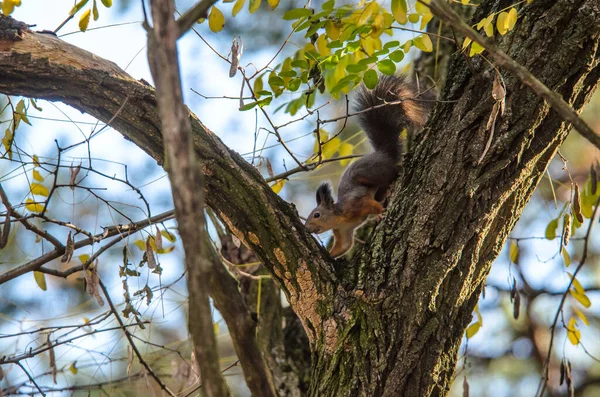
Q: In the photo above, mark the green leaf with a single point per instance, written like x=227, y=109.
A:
x=370, y=78
x=551, y=229
x=107, y=3
x=297, y=13
x=387, y=66
x=397, y=56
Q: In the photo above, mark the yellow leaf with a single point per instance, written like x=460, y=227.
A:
x=414, y=17
x=466, y=42
x=40, y=279
x=330, y=147
x=566, y=257
x=574, y=336
x=141, y=244
x=425, y=20
x=278, y=186
x=488, y=28
x=573, y=333
x=421, y=8
x=399, y=10
x=107, y=3
x=84, y=20
x=8, y=7
x=513, y=252
x=254, y=6
x=476, y=49
x=582, y=316
x=322, y=46
x=237, y=7
x=332, y=29
x=578, y=287
x=36, y=160
x=33, y=206
x=165, y=250
x=78, y=6
x=346, y=149
x=502, y=23
x=37, y=176
x=73, y=368
x=216, y=328
x=465, y=2
x=169, y=236
x=512, y=18
x=367, y=12
x=83, y=258
x=273, y=3
x=551, y=229
x=424, y=43
x=38, y=189
x=581, y=298
x=216, y=19
x=472, y=330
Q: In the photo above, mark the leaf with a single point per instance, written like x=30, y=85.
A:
x=73, y=368
x=566, y=257
x=397, y=56
x=83, y=258
x=237, y=7
x=399, y=10
x=582, y=316
x=78, y=6
x=276, y=187
x=8, y=7
x=581, y=298
x=37, y=176
x=297, y=13
x=254, y=6
x=329, y=148
x=216, y=19
x=573, y=333
x=346, y=149
x=502, y=23
x=169, y=236
x=370, y=78
x=472, y=330
x=321, y=45
x=38, y=189
x=488, y=28
x=273, y=3
x=107, y=3
x=367, y=12
x=512, y=18
x=69, y=249
x=551, y=229
x=476, y=49
x=141, y=244
x=424, y=43
x=95, y=11
x=387, y=66
x=40, y=279
x=84, y=20
x=513, y=252
x=33, y=206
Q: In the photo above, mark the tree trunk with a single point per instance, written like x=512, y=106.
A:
x=390, y=321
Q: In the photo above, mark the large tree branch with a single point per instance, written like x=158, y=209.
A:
x=443, y=11
x=43, y=66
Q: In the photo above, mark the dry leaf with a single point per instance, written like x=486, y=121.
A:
x=69, y=248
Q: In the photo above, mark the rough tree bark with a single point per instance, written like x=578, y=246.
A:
x=390, y=321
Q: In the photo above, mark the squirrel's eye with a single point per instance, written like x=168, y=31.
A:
x=316, y=215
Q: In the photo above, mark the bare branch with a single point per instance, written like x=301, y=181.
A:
x=187, y=185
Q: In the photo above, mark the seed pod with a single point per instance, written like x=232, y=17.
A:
x=577, y=205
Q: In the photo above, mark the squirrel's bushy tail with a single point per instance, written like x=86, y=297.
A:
x=383, y=123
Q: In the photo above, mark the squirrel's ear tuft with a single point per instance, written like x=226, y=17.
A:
x=324, y=195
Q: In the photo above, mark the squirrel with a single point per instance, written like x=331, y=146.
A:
x=384, y=112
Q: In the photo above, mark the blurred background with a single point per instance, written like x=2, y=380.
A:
x=505, y=356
